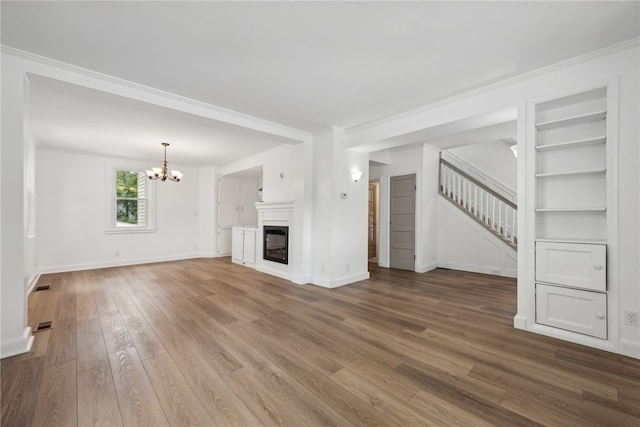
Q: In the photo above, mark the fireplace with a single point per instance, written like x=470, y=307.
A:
x=276, y=243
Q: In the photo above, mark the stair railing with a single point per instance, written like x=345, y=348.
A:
x=490, y=209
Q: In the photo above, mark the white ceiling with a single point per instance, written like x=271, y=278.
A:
x=307, y=65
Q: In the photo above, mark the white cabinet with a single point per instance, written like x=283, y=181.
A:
x=243, y=246
x=574, y=310
x=572, y=264
x=236, y=207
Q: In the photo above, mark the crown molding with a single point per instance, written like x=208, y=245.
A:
x=628, y=44
x=215, y=112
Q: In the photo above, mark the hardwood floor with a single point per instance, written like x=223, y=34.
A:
x=206, y=342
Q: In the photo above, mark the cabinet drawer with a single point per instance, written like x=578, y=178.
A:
x=572, y=264
x=575, y=310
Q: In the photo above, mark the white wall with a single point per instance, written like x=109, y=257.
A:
x=465, y=245
x=495, y=159
x=74, y=208
x=207, y=212
x=340, y=234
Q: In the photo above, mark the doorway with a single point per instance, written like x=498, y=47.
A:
x=402, y=222
x=372, y=223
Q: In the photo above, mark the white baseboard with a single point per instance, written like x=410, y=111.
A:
x=341, y=281
x=477, y=269
x=116, y=263
x=18, y=345
x=425, y=268
x=630, y=348
x=32, y=281
x=300, y=280
x=520, y=321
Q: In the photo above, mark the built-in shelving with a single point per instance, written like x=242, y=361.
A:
x=572, y=209
x=589, y=209
x=566, y=173
x=573, y=120
x=574, y=143
x=570, y=166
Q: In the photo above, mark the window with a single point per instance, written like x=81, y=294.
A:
x=131, y=200
x=130, y=208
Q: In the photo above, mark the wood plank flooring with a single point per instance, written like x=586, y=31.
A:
x=208, y=343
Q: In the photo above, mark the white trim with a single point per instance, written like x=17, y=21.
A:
x=120, y=263
x=17, y=345
x=31, y=283
x=189, y=105
x=561, y=334
x=479, y=269
x=630, y=348
x=426, y=268
x=345, y=280
x=520, y=321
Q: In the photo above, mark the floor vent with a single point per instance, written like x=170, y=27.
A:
x=42, y=288
x=44, y=326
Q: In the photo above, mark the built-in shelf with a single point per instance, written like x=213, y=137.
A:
x=573, y=120
x=565, y=173
x=593, y=209
x=576, y=241
x=574, y=143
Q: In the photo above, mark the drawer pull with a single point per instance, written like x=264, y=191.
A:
x=597, y=267
x=600, y=316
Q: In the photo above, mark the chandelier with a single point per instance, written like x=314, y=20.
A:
x=163, y=173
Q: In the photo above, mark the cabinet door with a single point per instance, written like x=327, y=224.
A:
x=572, y=264
x=575, y=310
x=250, y=246
x=237, y=244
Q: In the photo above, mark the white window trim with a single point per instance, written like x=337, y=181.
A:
x=111, y=227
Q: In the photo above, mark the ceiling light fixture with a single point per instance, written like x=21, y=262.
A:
x=162, y=173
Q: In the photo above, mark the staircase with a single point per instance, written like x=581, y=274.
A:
x=493, y=211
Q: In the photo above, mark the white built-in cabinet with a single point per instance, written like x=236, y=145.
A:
x=236, y=207
x=571, y=168
x=243, y=247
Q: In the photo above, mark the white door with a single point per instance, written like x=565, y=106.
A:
x=237, y=247
x=249, y=255
x=402, y=227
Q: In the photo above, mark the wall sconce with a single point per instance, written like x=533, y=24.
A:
x=514, y=149
x=356, y=175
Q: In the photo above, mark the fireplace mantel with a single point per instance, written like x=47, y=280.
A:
x=274, y=206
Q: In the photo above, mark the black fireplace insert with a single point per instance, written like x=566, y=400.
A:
x=276, y=243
